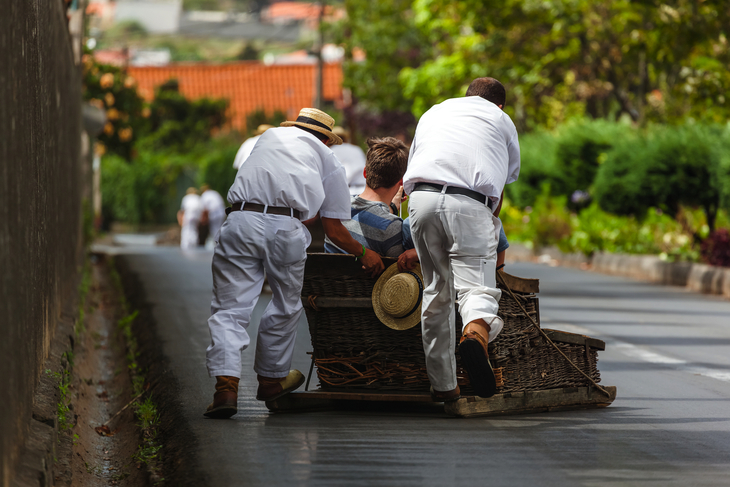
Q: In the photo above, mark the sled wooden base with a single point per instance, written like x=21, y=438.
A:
x=501, y=404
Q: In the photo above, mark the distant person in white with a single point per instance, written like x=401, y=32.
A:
x=214, y=209
x=245, y=150
x=464, y=152
x=188, y=218
x=352, y=159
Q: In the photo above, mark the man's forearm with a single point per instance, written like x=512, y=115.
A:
x=340, y=236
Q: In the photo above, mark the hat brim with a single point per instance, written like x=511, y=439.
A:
x=334, y=138
x=390, y=321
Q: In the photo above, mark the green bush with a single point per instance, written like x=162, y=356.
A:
x=537, y=169
x=565, y=161
x=150, y=189
x=669, y=168
x=216, y=165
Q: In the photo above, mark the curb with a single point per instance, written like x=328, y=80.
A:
x=701, y=278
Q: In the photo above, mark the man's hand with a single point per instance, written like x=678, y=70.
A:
x=399, y=198
x=407, y=260
x=372, y=264
x=336, y=231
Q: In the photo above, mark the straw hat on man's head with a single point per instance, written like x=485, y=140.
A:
x=263, y=128
x=316, y=120
x=397, y=297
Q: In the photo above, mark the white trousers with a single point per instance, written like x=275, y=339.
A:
x=456, y=241
x=189, y=234
x=248, y=244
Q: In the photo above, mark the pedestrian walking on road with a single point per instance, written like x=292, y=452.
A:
x=188, y=218
x=352, y=159
x=213, y=213
x=247, y=147
x=289, y=178
x=464, y=152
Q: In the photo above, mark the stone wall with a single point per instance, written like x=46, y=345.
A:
x=40, y=202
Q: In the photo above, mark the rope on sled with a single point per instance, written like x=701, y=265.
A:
x=546, y=337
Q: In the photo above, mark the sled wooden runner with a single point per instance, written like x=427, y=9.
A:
x=569, y=398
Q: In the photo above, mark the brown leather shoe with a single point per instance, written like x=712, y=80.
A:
x=271, y=388
x=446, y=396
x=225, y=399
x=475, y=359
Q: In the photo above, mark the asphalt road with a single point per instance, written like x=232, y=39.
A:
x=667, y=352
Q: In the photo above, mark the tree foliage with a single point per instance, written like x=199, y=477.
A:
x=647, y=59
x=179, y=124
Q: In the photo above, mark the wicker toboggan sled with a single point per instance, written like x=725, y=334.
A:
x=358, y=358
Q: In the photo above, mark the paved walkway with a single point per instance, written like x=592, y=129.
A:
x=666, y=352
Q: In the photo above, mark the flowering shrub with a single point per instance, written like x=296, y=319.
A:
x=716, y=248
x=109, y=88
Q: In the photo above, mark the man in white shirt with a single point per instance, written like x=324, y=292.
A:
x=214, y=211
x=290, y=176
x=464, y=152
x=352, y=159
x=188, y=217
x=245, y=150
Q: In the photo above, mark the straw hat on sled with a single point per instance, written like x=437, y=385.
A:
x=397, y=297
x=316, y=120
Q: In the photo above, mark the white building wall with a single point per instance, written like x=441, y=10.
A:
x=156, y=16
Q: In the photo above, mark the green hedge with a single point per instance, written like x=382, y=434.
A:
x=149, y=189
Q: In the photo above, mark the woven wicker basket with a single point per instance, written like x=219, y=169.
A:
x=354, y=351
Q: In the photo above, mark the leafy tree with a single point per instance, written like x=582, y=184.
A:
x=384, y=31
x=177, y=123
x=649, y=59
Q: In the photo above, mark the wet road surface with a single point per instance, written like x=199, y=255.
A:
x=667, y=352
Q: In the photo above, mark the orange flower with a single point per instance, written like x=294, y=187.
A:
x=108, y=128
x=112, y=114
x=107, y=80
x=109, y=99
x=129, y=82
x=125, y=134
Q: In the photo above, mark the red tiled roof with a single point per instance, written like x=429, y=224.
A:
x=248, y=85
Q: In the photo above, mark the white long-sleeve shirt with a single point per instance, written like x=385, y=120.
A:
x=467, y=142
x=292, y=168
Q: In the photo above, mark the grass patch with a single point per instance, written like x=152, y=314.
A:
x=148, y=417
x=63, y=406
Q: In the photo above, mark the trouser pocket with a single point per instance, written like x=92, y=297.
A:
x=288, y=247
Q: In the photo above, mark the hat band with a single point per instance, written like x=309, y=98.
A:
x=312, y=121
x=420, y=294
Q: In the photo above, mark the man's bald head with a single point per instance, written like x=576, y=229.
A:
x=488, y=88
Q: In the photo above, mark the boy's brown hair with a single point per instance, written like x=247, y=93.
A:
x=387, y=160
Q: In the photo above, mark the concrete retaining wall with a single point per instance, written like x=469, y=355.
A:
x=696, y=277
x=40, y=203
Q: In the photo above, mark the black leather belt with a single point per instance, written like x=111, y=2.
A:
x=274, y=210
x=437, y=188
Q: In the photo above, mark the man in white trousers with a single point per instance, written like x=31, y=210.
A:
x=188, y=217
x=464, y=152
x=290, y=176
x=214, y=211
